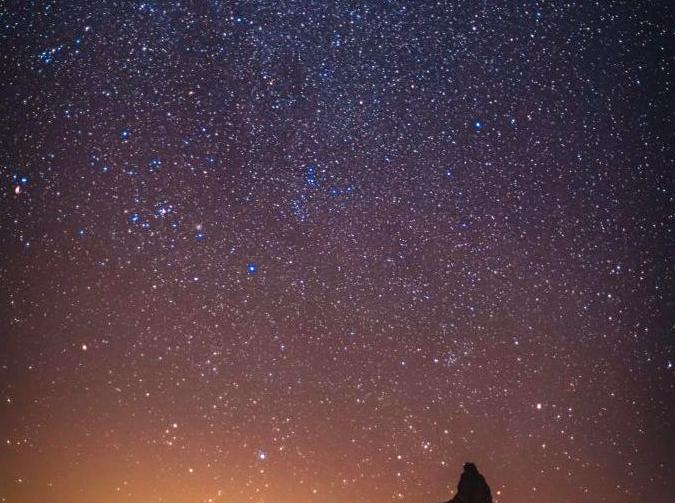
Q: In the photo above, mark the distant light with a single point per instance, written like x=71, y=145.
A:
x=84, y=347
x=539, y=406
x=252, y=268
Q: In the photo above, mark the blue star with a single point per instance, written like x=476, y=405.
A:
x=478, y=125
x=163, y=209
x=252, y=268
x=134, y=218
x=310, y=176
x=200, y=236
x=21, y=179
x=125, y=134
x=47, y=56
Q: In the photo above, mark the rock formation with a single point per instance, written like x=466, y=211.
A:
x=472, y=487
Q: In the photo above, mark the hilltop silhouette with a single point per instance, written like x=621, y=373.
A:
x=472, y=487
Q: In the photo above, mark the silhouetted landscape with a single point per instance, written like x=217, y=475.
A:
x=472, y=487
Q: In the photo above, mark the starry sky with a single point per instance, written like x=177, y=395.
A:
x=301, y=251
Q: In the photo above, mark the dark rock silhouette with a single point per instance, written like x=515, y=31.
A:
x=472, y=487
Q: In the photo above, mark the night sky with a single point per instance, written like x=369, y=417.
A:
x=326, y=252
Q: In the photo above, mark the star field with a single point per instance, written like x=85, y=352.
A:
x=304, y=251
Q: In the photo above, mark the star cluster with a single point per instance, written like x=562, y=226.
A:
x=309, y=251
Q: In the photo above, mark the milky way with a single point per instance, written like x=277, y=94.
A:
x=305, y=251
